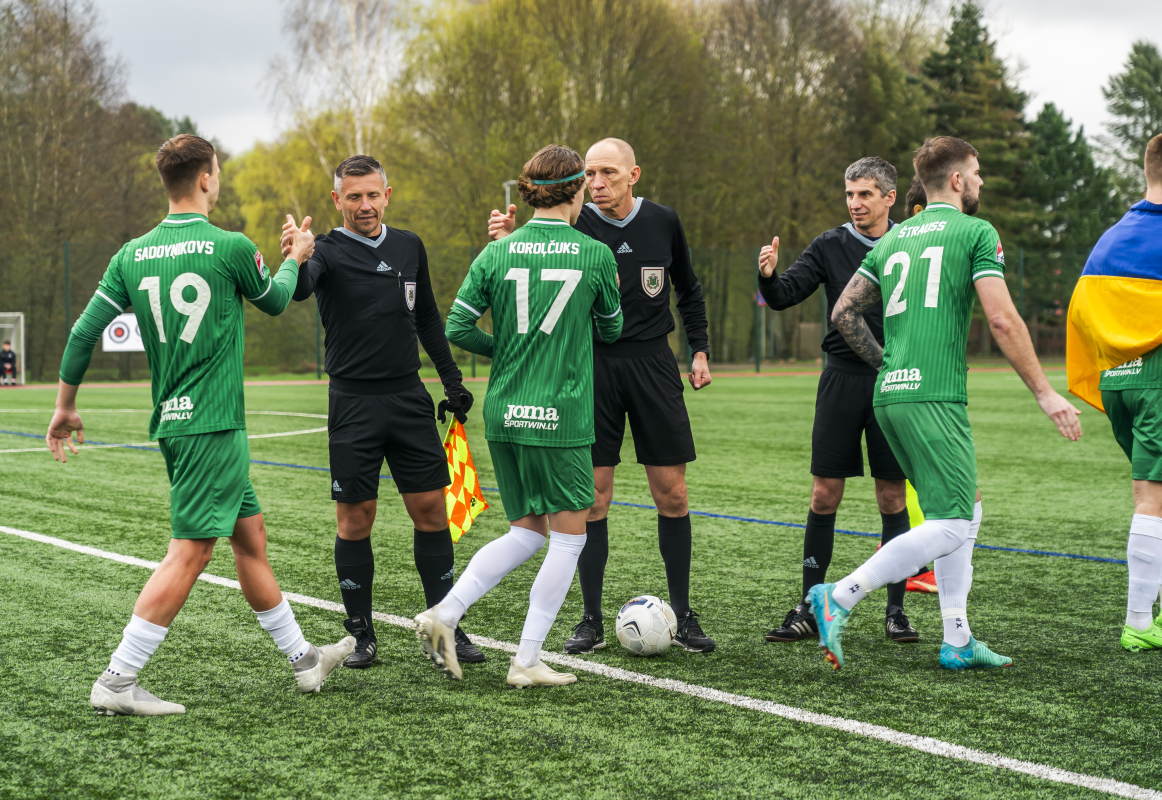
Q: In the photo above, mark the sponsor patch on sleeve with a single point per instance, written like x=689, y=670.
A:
x=1000, y=253
x=259, y=264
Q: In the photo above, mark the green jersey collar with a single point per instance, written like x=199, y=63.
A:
x=544, y=221
x=184, y=219
x=940, y=206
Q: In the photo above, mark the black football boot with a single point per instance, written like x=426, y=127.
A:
x=897, y=627
x=466, y=652
x=799, y=624
x=366, y=648
x=588, y=635
x=691, y=636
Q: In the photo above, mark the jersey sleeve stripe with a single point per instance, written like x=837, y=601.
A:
x=607, y=316
x=102, y=294
x=269, y=283
x=470, y=308
x=868, y=275
x=988, y=273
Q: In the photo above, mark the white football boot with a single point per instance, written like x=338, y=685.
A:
x=113, y=695
x=439, y=643
x=539, y=674
x=310, y=678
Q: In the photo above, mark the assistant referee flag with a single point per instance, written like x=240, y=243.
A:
x=465, y=502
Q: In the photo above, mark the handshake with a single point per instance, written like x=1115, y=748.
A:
x=297, y=242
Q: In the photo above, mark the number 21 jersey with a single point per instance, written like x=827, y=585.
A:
x=185, y=280
x=926, y=269
x=545, y=282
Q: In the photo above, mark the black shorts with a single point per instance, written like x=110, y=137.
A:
x=640, y=379
x=364, y=429
x=843, y=415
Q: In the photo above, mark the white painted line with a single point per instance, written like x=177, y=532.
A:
x=285, y=433
x=923, y=744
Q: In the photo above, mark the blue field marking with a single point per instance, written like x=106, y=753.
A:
x=646, y=507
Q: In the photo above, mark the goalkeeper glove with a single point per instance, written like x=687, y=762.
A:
x=458, y=401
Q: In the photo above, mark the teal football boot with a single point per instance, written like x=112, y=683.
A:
x=832, y=621
x=973, y=654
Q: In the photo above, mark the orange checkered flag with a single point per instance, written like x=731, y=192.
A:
x=465, y=502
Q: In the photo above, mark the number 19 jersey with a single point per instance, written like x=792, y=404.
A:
x=926, y=269
x=544, y=284
x=185, y=280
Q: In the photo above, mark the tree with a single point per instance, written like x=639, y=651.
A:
x=1134, y=98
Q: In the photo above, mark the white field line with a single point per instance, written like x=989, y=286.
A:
x=923, y=744
x=154, y=444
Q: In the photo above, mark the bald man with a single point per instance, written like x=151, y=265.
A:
x=638, y=376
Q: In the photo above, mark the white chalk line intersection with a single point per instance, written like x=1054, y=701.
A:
x=923, y=744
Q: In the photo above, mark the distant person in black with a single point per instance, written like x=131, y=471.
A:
x=375, y=297
x=843, y=404
x=7, y=365
x=638, y=376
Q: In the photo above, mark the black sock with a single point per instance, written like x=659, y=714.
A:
x=591, y=565
x=355, y=567
x=818, y=544
x=894, y=525
x=674, y=540
x=436, y=563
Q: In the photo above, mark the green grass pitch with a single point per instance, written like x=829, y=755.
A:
x=1074, y=700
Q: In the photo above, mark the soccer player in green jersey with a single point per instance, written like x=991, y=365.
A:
x=545, y=284
x=187, y=279
x=925, y=272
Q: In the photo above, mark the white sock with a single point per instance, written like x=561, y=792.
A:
x=280, y=623
x=139, y=641
x=548, y=593
x=486, y=569
x=1144, y=558
x=901, y=557
x=953, y=581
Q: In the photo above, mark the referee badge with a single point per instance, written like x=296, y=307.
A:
x=409, y=294
x=653, y=279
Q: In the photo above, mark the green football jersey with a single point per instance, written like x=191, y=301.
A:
x=186, y=279
x=926, y=269
x=544, y=283
x=1138, y=373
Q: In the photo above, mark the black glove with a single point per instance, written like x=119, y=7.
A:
x=458, y=401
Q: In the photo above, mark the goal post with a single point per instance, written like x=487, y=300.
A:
x=12, y=330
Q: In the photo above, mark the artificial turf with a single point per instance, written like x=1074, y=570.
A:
x=1073, y=699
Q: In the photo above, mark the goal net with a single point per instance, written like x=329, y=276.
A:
x=12, y=330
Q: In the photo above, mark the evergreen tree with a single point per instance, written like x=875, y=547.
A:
x=1134, y=98
x=973, y=99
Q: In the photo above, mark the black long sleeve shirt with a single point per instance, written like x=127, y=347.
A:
x=7, y=361
x=375, y=298
x=651, y=252
x=830, y=260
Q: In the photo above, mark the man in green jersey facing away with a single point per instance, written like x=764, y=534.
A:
x=925, y=272
x=187, y=279
x=545, y=284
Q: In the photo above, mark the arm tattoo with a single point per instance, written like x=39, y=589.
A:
x=860, y=295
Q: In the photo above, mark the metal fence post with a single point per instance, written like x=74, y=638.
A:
x=1021, y=280
x=758, y=316
x=68, y=298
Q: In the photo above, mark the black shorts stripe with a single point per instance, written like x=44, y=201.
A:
x=844, y=416
x=364, y=430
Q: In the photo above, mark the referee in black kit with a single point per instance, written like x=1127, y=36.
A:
x=638, y=376
x=843, y=405
x=375, y=297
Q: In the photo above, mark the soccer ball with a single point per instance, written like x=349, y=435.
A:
x=646, y=626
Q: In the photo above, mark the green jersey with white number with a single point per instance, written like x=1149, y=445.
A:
x=926, y=269
x=1138, y=373
x=545, y=284
x=185, y=280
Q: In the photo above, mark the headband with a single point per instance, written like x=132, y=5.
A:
x=580, y=174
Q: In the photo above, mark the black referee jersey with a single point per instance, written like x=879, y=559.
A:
x=375, y=298
x=652, y=254
x=831, y=259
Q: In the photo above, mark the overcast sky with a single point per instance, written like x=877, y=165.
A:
x=1067, y=50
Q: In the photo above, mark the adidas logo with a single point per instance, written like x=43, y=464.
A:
x=349, y=584
x=625, y=248
x=383, y=267
x=810, y=562
x=335, y=486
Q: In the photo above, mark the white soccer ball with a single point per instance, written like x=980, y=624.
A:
x=646, y=626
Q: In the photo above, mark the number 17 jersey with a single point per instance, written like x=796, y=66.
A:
x=926, y=269
x=545, y=282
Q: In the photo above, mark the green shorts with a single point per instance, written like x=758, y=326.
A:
x=209, y=476
x=1136, y=416
x=542, y=480
x=933, y=443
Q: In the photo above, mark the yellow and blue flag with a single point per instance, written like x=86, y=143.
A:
x=1115, y=314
